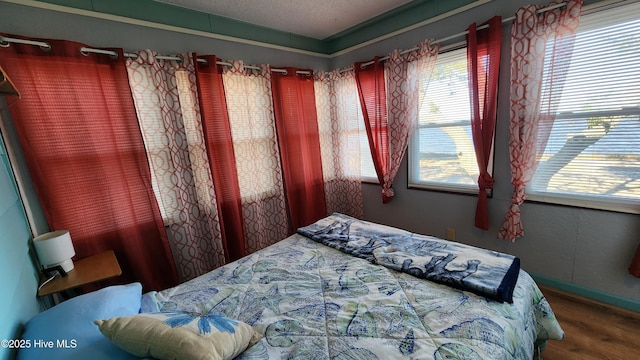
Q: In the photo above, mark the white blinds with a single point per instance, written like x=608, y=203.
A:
x=592, y=157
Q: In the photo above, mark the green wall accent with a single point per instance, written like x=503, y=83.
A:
x=409, y=14
x=592, y=294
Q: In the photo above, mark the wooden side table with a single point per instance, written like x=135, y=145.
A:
x=90, y=269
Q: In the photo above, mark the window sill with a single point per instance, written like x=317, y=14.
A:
x=445, y=188
x=620, y=206
x=370, y=180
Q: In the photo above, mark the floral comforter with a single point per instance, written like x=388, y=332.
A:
x=314, y=302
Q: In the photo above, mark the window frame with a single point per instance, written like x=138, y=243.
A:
x=587, y=201
x=599, y=18
x=413, y=157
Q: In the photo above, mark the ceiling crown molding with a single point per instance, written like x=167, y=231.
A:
x=159, y=15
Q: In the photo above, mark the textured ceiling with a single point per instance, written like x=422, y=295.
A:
x=317, y=19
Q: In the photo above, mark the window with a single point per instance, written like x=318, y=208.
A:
x=249, y=105
x=157, y=139
x=200, y=169
x=173, y=141
x=592, y=156
x=441, y=153
x=367, y=169
x=344, y=104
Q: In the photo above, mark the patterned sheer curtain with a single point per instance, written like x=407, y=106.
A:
x=391, y=96
x=483, y=62
x=339, y=117
x=535, y=80
x=407, y=81
x=251, y=116
x=77, y=123
x=166, y=102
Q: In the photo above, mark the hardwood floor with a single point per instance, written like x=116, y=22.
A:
x=593, y=330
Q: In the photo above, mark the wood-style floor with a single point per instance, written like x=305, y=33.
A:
x=593, y=330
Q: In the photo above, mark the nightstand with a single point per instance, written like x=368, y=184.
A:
x=88, y=270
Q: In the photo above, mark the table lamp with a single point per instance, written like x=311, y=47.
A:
x=55, y=249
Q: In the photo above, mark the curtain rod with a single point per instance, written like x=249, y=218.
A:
x=451, y=37
x=5, y=41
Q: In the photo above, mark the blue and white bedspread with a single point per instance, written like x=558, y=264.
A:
x=314, y=302
x=483, y=272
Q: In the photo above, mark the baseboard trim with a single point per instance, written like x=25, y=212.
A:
x=597, y=295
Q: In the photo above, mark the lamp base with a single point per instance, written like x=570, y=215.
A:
x=66, y=265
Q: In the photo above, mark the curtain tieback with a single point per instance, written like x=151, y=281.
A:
x=485, y=181
x=519, y=196
x=387, y=194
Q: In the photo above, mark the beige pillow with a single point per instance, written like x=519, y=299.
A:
x=179, y=335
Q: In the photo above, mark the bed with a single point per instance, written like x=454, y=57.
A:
x=306, y=300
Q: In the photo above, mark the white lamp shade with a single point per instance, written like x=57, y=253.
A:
x=55, y=248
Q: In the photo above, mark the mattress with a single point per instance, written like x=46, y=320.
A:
x=311, y=301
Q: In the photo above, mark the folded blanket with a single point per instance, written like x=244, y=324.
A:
x=483, y=272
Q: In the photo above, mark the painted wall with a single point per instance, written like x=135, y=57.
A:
x=578, y=249
x=18, y=276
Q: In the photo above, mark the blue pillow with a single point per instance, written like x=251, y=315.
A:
x=69, y=326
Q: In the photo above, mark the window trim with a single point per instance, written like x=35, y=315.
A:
x=594, y=202
x=602, y=16
x=369, y=180
x=413, y=166
x=585, y=202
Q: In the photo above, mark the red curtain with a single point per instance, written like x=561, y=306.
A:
x=373, y=100
x=78, y=128
x=483, y=63
x=219, y=144
x=634, y=268
x=298, y=138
